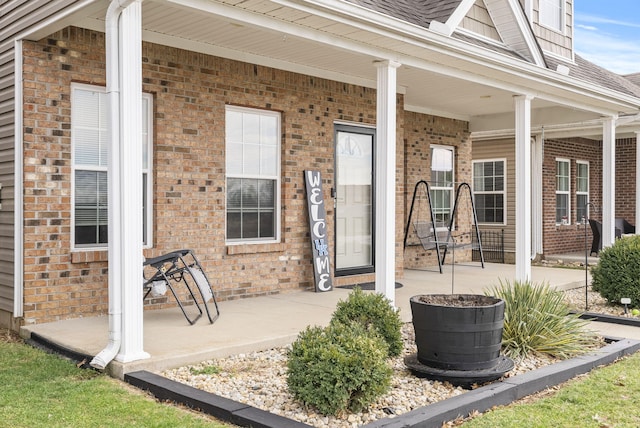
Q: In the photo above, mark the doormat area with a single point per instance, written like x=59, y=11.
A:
x=366, y=286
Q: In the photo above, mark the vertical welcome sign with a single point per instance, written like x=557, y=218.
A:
x=318, y=231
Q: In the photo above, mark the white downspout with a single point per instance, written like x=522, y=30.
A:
x=112, y=30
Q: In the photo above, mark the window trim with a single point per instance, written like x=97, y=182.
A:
x=149, y=170
x=483, y=192
x=277, y=177
x=563, y=192
x=452, y=189
x=563, y=20
x=583, y=193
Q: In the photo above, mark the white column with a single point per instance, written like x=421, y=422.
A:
x=608, y=181
x=637, y=220
x=523, y=187
x=536, y=194
x=125, y=238
x=385, y=179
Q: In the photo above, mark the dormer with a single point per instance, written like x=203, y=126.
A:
x=552, y=23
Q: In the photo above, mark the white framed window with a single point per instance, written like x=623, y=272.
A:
x=489, y=191
x=90, y=152
x=252, y=139
x=442, y=182
x=582, y=191
x=551, y=14
x=563, y=191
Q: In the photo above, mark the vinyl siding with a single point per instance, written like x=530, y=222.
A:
x=16, y=16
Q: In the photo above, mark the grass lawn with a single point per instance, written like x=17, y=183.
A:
x=43, y=390
x=606, y=397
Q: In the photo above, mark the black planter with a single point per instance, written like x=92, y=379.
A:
x=458, y=331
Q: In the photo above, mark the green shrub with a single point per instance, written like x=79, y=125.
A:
x=536, y=319
x=617, y=273
x=372, y=311
x=338, y=368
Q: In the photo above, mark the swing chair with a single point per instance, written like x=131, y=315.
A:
x=438, y=235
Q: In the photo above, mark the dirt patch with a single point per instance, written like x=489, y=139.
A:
x=458, y=300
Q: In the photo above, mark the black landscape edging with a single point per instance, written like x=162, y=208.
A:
x=612, y=319
x=40, y=342
x=434, y=415
x=211, y=404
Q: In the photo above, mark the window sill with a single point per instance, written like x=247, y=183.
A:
x=87, y=256
x=255, y=248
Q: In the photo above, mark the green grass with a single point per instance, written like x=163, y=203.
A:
x=43, y=390
x=607, y=397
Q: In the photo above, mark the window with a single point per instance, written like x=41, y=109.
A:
x=582, y=191
x=442, y=182
x=489, y=190
x=562, y=191
x=253, y=175
x=90, y=147
x=552, y=14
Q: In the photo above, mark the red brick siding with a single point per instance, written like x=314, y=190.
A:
x=190, y=93
x=626, y=179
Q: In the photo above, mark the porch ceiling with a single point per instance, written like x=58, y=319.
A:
x=289, y=35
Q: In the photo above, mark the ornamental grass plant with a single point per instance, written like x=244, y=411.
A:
x=537, y=320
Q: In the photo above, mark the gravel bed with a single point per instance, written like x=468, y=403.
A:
x=259, y=378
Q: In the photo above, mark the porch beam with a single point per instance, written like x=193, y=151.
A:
x=637, y=219
x=523, y=186
x=385, y=180
x=608, y=180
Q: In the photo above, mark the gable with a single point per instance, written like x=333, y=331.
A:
x=478, y=21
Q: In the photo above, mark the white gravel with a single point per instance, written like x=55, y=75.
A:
x=259, y=379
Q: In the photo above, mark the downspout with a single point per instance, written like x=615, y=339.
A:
x=112, y=29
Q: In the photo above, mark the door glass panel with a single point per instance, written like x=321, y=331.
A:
x=354, y=187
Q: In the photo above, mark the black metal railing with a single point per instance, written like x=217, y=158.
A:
x=492, y=246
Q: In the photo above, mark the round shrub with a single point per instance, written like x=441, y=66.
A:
x=617, y=273
x=536, y=319
x=372, y=311
x=338, y=368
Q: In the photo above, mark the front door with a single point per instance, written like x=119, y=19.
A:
x=354, y=199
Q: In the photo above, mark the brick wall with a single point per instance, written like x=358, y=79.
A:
x=421, y=131
x=558, y=239
x=626, y=179
x=190, y=93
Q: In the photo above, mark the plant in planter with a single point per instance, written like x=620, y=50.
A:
x=538, y=320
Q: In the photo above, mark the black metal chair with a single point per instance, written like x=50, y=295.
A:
x=624, y=226
x=596, y=230
x=181, y=267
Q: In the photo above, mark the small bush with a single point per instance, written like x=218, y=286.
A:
x=536, y=319
x=617, y=273
x=338, y=368
x=372, y=311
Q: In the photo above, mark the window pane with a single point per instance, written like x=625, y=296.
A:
x=234, y=230
x=562, y=207
x=581, y=208
x=90, y=210
x=269, y=161
x=234, y=158
x=233, y=127
x=269, y=130
x=267, y=225
x=251, y=128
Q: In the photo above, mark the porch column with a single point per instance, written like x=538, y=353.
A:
x=637, y=219
x=536, y=194
x=608, y=180
x=125, y=185
x=523, y=187
x=385, y=181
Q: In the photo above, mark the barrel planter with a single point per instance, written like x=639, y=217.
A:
x=458, y=331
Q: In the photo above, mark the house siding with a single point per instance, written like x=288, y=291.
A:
x=558, y=44
x=190, y=93
x=16, y=17
x=479, y=21
x=626, y=179
x=502, y=149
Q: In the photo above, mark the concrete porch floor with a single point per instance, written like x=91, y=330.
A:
x=264, y=322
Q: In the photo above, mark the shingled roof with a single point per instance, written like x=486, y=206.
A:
x=633, y=78
x=418, y=12
x=592, y=73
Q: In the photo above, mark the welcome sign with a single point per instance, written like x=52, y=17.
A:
x=318, y=231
